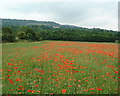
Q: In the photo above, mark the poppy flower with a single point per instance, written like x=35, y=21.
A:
x=38, y=91
x=86, y=80
x=79, y=80
x=19, y=93
x=86, y=90
x=82, y=71
x=99, y=89
x=19, y=71
x=9, y=64
x=51, y=93
x=23, y=88
x=11, y=82
x=57, y=80
x=116, y=72
x=18, y=89
x=32, y=91
x=15, y=68
x=18, y=79
x=36, y=69
x=8, y=75
x=12, y=89
x=29, y=90
x=69, y=85
x=35, y=81
x=3, y=78
x=63, y=90
x=36, y=86
x=91, y=89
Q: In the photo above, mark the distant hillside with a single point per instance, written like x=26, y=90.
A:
x=20, y=22
x=14, y=22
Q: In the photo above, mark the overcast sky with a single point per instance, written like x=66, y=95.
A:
x=95, y=13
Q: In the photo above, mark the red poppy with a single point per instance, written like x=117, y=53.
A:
x=32, y=91
x=12, y=89
x=38, y=60
x=35, y=81
x=36, y=86
x=19, y=71
x=19, y=93
x=116, y=72
x=18, y=89
x=90, y=77
x=32, y=58
x=9, y=70
x=91, y=89
x=8, y=75
x=15, y=68
x=38, y=91
x=96, y=78
x=9, y=64
x=82, y=71
x=56, y=85
x=69, y=85
x=56, y=79
x=18, y=79
x=36, y=69
x=51, y=93
x=3, y=78
x=11, y=82
x=29, y=90
x=86, y=90
x=99, y=89
x=63, y=90
x=86, y=80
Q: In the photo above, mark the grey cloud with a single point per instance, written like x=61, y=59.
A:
x=71, y=13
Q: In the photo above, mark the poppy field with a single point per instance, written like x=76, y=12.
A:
x=60, y=67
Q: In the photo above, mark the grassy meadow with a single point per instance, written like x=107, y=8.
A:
x=60, y=67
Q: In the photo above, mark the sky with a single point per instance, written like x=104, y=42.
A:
x=84, y=13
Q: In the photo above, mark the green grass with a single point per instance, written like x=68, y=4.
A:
x=48, y=67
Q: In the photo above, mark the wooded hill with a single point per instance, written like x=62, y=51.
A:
x=15, y=30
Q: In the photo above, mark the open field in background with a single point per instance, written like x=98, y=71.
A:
x=60, y=67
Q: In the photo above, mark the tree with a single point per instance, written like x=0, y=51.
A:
x=38, y=37
x=29, y=34
x=7, y=35
x=21, y=35
x=7, y=30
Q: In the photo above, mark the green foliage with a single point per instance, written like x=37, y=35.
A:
x=21, y=35
x=29, y=34
x=38, y=37
x=39, y=30
x=7, y=30
x=7, y=35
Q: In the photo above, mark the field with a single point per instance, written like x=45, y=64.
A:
x=60, y=67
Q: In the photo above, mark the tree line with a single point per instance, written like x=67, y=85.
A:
x=42, y=32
